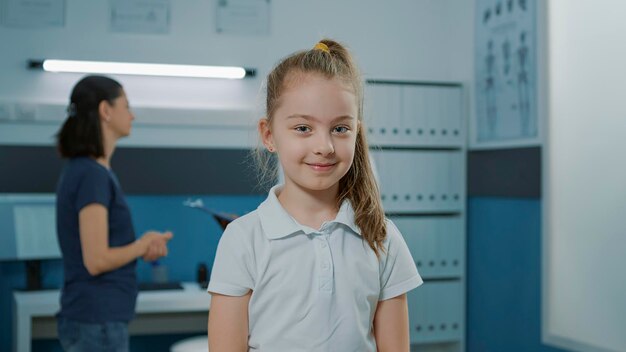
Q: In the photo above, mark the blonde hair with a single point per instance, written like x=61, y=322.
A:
x=331, y=60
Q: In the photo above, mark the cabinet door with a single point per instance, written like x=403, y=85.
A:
x=420, y=181
x=436, y=244
x=435, y=312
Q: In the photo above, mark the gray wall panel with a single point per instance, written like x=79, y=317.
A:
x=141, y=171
x=512, y=172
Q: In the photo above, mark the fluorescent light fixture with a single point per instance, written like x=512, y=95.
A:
x=126, y=68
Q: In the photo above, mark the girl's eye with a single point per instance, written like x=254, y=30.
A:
x=303, y=129
x=341, y=129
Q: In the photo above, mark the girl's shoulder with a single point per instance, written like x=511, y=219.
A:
x=392, y=229
x=245, y=235
x=394, y=236
x=244, y=226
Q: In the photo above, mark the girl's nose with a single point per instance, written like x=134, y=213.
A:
x=324, y=145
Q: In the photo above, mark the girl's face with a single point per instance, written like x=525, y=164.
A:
x=314, y=131
x=119, y=117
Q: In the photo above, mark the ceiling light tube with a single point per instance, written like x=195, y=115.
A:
x=126, y=68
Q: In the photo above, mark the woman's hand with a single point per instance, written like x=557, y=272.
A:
x=154, y=245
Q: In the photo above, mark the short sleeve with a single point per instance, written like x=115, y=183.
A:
x=232, y=273
x=398, y=272
x=94, y=187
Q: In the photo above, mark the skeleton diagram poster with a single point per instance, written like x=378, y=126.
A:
x=505, y=72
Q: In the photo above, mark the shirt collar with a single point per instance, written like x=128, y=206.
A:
x=277, y=223
x=345, y=216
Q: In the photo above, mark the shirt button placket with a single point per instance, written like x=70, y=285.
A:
x=326, y=268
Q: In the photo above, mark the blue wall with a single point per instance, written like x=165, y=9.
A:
x=504, y=275
x=195, y=240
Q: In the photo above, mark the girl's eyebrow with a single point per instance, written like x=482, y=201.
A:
x=308, y=117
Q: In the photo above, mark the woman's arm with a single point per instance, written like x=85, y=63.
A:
x=98, y=257
x=391, y=325
x=228, y=323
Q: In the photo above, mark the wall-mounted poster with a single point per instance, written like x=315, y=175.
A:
x=247, y=17
x=140, y=16
x=32, y=13
x=505, y=74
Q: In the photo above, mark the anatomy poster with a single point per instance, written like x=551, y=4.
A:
x=505, y=72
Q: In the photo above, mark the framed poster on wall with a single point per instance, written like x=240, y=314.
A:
x=32, y=13
x=505, y=75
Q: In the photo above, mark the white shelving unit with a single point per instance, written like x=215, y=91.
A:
x=417, y=137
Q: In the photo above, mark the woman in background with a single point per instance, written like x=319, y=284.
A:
x=94, y=226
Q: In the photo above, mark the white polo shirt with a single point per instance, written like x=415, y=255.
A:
x=312, y=290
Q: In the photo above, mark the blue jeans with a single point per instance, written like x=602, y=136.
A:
x=82, y=337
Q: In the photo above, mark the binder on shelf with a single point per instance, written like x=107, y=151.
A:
x=385, y=110
x=412, y=116
x=418, y=314
x=454, y=105
x=371, y=115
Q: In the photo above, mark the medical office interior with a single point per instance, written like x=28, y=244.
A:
x=496, y=127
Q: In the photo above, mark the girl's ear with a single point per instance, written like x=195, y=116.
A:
x=266, y=134
x=104, y=111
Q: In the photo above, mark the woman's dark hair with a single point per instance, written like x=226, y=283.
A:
x=80, y=134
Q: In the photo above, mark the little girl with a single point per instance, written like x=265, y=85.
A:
x=317, y=267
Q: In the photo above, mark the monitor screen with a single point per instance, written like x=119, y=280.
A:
x=28, y=227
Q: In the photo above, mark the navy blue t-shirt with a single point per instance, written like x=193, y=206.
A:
x=110, y=296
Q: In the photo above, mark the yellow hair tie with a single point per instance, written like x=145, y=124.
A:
x=321, y=46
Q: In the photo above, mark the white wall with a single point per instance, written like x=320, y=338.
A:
x=403, y=39
x=584, y=302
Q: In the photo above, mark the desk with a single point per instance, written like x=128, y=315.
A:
x=167, y=311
